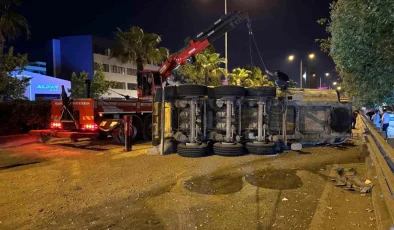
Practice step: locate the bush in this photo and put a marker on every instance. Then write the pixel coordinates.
(20, 116)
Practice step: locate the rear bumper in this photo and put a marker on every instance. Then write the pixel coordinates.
(63, 134)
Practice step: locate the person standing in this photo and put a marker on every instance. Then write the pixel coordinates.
(354, 119)
(376, 119)
(385, 121)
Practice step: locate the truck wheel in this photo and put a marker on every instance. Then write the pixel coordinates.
(261, 91)
(261, 148)
(192, 90)
(192, 150)
(170, 92)
(228, 149)
(228, 91)
(119, 137)
(340, 120)
(147, 130)
(137, 127)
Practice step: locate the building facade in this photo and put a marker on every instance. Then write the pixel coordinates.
(37, 67)
(83, 54)
(43, 87)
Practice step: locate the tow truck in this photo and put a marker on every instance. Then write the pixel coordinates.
(98, 118)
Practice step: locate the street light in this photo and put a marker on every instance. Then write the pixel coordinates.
(292, 57)
(327, 74)
(334, 83)
(225, 42)
(339, 88)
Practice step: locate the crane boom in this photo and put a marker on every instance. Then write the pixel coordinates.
(225, 23)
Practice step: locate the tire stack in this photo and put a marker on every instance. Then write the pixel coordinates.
(262, 147)
(187, 92)
(234, 94)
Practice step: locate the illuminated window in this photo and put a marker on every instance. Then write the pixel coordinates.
(118, 69)
(105, 68)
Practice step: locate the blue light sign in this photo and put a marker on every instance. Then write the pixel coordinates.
(48, 87)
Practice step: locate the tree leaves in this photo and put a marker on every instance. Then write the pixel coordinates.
(136, 46)
(98, 87)
(11, 65)
(206, 70)
(12, 24)
(361, 43)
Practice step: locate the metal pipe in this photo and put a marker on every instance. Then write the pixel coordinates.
(239, 118)
(87, 88)
(225, 44)
(260, 121)
(228, 120)
(205, 120)
(264, 118)
(162, 112)
(301, 75)
(192, 121)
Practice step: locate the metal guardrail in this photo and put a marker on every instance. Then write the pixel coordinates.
(382, 156)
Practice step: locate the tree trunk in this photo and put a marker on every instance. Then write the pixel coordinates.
(2, 41)
(140, 65)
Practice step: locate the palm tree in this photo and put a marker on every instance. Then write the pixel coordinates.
(138, 47)
(258, 78)
(208, 64)
(11, 24)
(240, 76)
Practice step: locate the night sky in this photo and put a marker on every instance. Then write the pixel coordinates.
(281, 27)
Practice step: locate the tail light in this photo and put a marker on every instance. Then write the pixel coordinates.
(56, 125)
(92, 127)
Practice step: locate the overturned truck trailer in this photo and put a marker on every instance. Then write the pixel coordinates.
(235, 120)
(313, 117)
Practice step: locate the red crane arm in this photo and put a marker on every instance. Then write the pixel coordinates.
(202, 41)
(175, 60)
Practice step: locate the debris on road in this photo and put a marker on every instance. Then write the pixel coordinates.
(349, 180)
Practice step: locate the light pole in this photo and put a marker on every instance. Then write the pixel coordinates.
(327, 75)
(292, 57)
(225, 42)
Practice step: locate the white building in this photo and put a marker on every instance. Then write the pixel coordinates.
(125, 75)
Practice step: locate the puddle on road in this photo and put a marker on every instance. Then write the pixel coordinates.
(283, 179)
(215, 185)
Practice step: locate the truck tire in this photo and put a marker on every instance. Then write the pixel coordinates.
(170, 92)
(192, 150)
(340, 120)
(261, 148)
(261, 91)
(137, 127)
(119, 137)
(147, 130)
(192, 90)
(228, 91)
(230, 150)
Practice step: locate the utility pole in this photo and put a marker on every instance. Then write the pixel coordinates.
(225, 42)
(301, 75)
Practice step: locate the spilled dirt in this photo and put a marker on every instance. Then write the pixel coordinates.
(61, 186)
